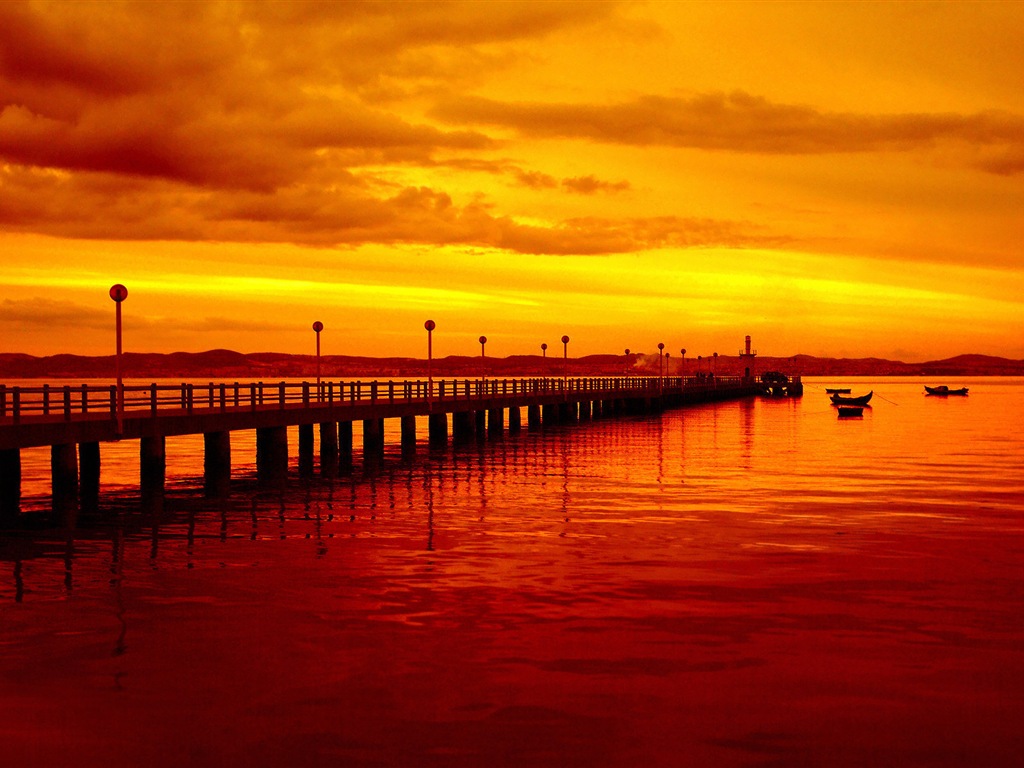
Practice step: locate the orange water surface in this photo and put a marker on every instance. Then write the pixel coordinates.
(753, 583)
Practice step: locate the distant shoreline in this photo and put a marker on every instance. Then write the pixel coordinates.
(226, 364)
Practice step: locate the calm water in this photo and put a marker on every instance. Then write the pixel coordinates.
(747, 584)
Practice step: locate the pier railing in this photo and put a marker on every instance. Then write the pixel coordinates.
(94, 401)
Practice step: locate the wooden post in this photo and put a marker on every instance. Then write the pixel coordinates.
(437, 428)
(152, 467)
(345, 447)
(533, 416)
(272, 455)
(64, 476)
(329, 448)
(496, 422)
(373, 439)
(10, 486)
(514, 419)
(305, 443)
(89, 475)
(217, 464)
(408, 435)
(462, 425)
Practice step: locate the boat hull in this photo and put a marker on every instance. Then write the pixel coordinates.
(862, 400)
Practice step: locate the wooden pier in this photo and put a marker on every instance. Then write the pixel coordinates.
(74, 420)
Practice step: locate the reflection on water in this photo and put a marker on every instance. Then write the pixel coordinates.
(754, 583)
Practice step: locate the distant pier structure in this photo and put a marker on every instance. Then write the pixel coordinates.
(747, 358)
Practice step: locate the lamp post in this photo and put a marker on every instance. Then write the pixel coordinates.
(118, 293)
(565, 359)
(661, 348)
(317, 327)
(682, 365)
(699, 358)
(544, 351)
(429, 325)
(715, 359)
(483, 363)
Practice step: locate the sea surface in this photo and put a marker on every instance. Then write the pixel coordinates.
(752, 583)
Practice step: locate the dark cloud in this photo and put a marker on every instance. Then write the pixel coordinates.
(740, 122)
(589, 185)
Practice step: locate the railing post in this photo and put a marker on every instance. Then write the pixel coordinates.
(252, 396)
(373, 391)
(190, 397)
(280, 395)
(113, 400)
(16, 397)
(236, 394)
(305, 393)
(85, 398)
(3, 400)
(223, 396)
(152, 399)
(184, 397)
(391, 391)
(211, 394)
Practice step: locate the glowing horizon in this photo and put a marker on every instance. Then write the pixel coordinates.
(624, 173)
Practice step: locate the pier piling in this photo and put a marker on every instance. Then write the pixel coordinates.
(89, 476)
(217, 464)
(64, 475)
(10, 486)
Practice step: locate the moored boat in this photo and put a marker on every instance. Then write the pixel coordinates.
(943, 391)
(860, 400)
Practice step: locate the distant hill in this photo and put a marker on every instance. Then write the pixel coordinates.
(226, 364)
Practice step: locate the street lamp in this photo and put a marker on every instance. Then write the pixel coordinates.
(682, 363)
(317, 327)
(429, 325)
(483, 365)
(565, 358)
(118, 293)
(661, 347)
(716, 364)
(699, 358)
(544, 351)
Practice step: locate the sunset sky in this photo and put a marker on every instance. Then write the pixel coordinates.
(839, 179)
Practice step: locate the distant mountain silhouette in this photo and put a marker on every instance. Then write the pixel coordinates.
(227, 364)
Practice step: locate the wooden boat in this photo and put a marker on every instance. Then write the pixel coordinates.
(861, 400)
(837, 391)
(943, 391)
(850, 411)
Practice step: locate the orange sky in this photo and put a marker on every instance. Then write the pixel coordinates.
(833, 179)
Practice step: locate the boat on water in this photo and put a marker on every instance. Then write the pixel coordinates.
(837, 391)
(943, 391)
(859, 400)
(850, 411)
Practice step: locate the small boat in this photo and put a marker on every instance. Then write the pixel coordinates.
(837, 391)
(861, 400)
(850, 411)
(943, 391)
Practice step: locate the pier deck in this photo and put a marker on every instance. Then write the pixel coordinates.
(74, 420)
